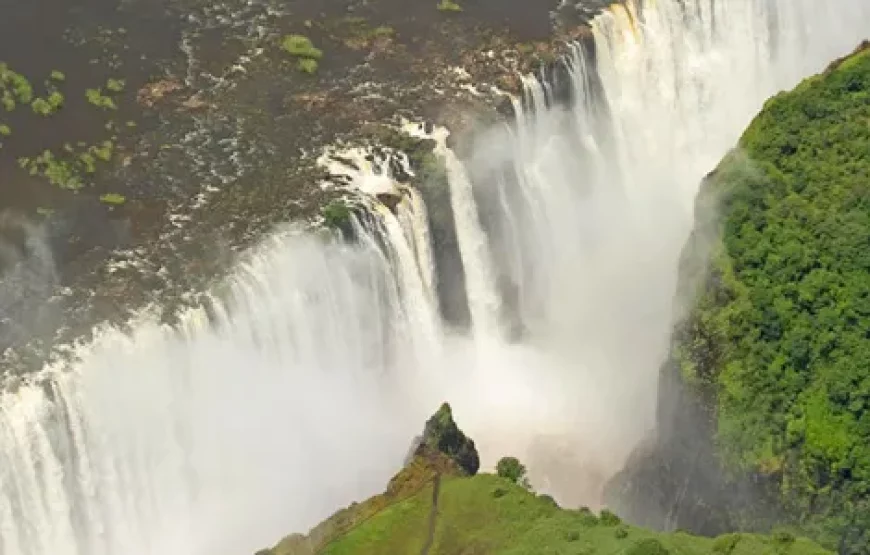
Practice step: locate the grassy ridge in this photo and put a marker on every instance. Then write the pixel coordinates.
(780, 335)
(486, 514)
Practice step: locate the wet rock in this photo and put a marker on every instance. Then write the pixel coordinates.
(442, 435)
(152, 93)
(390, 200)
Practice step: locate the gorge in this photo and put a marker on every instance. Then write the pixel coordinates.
(298, 386)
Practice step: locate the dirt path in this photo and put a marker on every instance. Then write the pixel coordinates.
(433, 516)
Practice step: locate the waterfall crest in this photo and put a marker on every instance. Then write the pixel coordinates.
(299, 388)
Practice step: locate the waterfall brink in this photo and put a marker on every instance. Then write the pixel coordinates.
(300, 387)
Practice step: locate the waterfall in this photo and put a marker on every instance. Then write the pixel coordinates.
(299, 387)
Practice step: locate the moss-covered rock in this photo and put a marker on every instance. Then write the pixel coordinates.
(442, 435)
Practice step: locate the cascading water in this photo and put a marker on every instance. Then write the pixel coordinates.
(300, 388)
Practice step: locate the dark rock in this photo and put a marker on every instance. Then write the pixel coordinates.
(441, 434)
(390, 200)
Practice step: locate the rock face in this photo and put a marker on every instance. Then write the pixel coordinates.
(442, 435)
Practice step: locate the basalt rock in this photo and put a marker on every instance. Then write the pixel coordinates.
(442, 435)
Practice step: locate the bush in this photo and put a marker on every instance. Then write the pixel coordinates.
(649, 546)
(449, 6)
(572, 536)
(621, 533)
(609, 518)
(587, 517)
(307, 65)
(336, 214)
(301, 46)
(724, 545)
(512, 469)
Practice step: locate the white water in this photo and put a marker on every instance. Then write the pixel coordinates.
(305, 390)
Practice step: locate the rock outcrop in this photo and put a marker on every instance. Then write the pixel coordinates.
(442, 436)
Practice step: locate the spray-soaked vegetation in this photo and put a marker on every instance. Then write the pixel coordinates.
(780, 338)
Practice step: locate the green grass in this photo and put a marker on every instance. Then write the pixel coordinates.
(472, 519)
(100, 100)
(113, 199)
(449, 6)
(307, 65)
(301, 47)
(779, 332)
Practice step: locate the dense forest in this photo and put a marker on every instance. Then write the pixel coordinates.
(779, 340)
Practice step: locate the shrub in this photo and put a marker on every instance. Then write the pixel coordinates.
(587, 517)
(511, 469)
(609, 518)
(336, 214)
(621, 533)
(449, 6)
(113, 199)
(648, 546)
(724, 545)
(307, 65)
(301, 46)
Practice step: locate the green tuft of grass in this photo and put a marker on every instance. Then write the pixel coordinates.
(98, 99)
(301, 47)
(5, 130)
(116, 85)
(307, 65)
(113, 199)
(449, 6)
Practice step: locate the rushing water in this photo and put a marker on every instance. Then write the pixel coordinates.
(300, 387)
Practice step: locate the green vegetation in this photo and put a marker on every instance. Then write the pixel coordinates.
(471, 519)
(49, 105)
(307, 65)
(779, 336)
(115, 85)
(98, 99)
(435, 506)
(304, 50)
(512, 469)
(449, 6)
(113, 199)
(57, 76)
(336, 214)
(5, 130)
(357, 33)
(67, 170)
(14, 88)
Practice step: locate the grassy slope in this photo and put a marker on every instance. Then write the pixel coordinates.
(779, 334)
(473, 519)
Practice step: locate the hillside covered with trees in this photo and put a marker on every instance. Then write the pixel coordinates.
(775, 351)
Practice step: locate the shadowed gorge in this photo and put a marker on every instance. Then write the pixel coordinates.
(366, 218)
